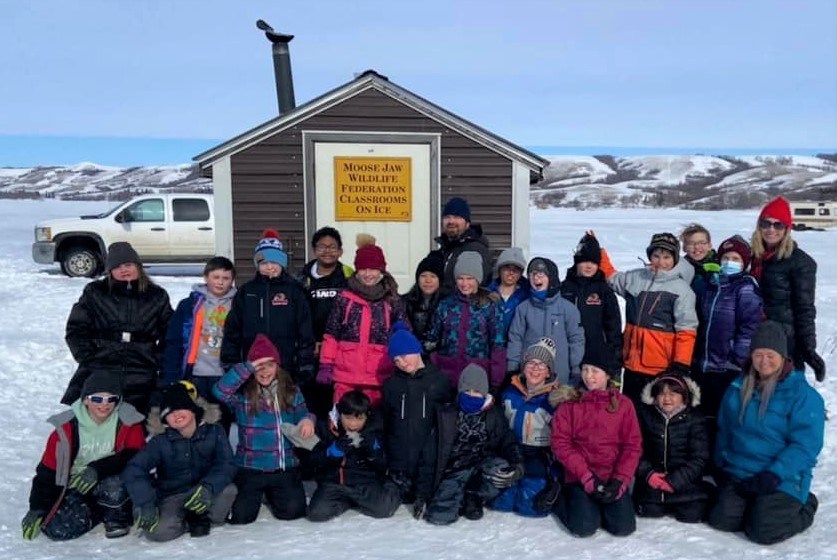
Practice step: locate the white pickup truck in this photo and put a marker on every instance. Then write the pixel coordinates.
(163, 228)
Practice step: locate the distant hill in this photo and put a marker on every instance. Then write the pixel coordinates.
(698, 182)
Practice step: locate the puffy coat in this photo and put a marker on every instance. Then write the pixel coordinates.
(588, 437)
(322, 293)
(358, 465)
(465, 331)
(786, 442)
(181, 464)
(677, 447)
(450, 249)
(261, 443)
(356, 338)
(660, 316)
(278, 308)
(530, 419)
(409, 407)
(731, 309)
(788, 287)
(420, 310)
(558, 319)
(508, 306)
(117, 329)
(600, 314)
(53, 472)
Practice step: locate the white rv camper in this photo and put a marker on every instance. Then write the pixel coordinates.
(813, 215)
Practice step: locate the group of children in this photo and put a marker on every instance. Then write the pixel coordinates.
(507, 396)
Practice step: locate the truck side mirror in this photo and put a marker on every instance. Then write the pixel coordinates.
(123, 217)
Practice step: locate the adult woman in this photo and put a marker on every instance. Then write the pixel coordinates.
(770, 432)
(787, 276)
(118, 326)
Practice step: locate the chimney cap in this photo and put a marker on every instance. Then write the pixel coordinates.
(271, 35)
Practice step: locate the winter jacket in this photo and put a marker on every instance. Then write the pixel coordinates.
(121, 331)
(278, 308)
(364, 464)
(660, 316)
(261, 444)
(703, 269)
(508, 306)
(409, 407)
(787, 287)
(322, 292)
(731, 309)
(181, 464)
(420, 310)
(356, 338)
(786, 441)
(558, 319)
(465, 331)
(53, 472)
(588, 438)
(450, 249)
(600, 314)
(437, 457)
(185, 337)
(530, 420)
(677, 447)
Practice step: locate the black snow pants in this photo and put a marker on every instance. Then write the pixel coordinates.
(582, 515)
(372, 499)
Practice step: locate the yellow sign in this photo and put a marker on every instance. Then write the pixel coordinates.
(373, 189)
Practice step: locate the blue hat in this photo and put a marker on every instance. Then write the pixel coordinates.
(402, 342)
(457, 206)
(270, 249)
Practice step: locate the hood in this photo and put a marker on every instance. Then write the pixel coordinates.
(128, 415)
(202, 289)
(693, 387)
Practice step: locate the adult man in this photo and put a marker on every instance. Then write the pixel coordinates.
(458, 236)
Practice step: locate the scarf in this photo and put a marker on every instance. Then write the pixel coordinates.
(369, 293)
(758, 264)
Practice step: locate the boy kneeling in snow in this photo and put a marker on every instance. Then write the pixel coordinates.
(192, 487)
(469, 458)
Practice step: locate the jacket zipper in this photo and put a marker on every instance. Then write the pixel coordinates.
(665, 455)
(708, 326)
(402, 405)
(278, 416)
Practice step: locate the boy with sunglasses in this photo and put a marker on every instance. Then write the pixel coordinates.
(77, 484)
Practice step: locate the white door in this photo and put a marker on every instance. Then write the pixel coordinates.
(145, 227)
(191, 232)
(404, 243)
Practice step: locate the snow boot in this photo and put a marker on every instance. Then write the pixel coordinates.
(116, 530)
(472, 506)
(199, 525)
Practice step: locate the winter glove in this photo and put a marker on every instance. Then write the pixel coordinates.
(326, 374)
(764, 482)
(291, 431)
(546, 498)
(31, 524)
(658, 481)
(612, 490)
(817, 364)
(505, 477)
(147, 517)
(419, 507)
(199, 500)
(85, 480)
(591, 484)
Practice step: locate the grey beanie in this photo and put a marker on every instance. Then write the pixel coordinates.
(102, 382)
(473, 378)
(770, 334)
(468, 263)
(543, 350)
(120, 253)
(513, 256)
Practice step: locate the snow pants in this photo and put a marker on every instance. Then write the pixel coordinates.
(686, 512)
(766, 518)
(175, 520)
(373, 499)
(582, 515)
(443, 508)
(283, 491)
(78, 514)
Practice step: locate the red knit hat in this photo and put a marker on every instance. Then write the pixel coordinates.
(262, 347)
(368, 254)
(778, 209)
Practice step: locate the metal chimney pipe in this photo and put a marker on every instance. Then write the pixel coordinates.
(281, 66)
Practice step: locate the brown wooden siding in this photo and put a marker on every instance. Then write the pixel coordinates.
(267, 178)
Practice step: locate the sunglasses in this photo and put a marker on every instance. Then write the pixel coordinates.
(767, 224)
(99, 399)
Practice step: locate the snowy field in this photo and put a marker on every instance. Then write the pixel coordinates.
(35, 366)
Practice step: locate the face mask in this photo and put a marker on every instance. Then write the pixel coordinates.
(729, 268)
(470, 404)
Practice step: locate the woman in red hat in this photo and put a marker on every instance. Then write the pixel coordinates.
(787, 276)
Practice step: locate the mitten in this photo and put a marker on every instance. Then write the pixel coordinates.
(817, 364)
(199, 500)
(85, 480)
(658, 481)
(326, 374)
(147, 517)
(591, 484)
(31, 524)
(546, 498)
(613, 490)
(764, 482)
(506, 476)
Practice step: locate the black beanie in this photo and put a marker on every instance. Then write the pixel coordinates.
(431, 263)
(771, 335)
(665, 241)
(120, 253)
(588, 250)
(176, 397)
(102, 382)
(595, 356)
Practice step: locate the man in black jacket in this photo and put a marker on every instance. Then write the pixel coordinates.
(458, 236)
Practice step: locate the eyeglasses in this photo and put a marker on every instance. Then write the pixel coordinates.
(536, 365)
(99, 399)
(326, 248)
(767, 224)
(695, 244)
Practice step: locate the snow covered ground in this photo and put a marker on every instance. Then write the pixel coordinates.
(35, 366)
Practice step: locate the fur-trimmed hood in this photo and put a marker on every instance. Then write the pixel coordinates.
(694, 389)
(211, 415)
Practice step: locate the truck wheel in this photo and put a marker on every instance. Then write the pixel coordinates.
(81, 261)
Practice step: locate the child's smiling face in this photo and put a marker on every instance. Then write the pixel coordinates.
(539, 281)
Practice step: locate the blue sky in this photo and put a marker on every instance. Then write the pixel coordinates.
(157, 81)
